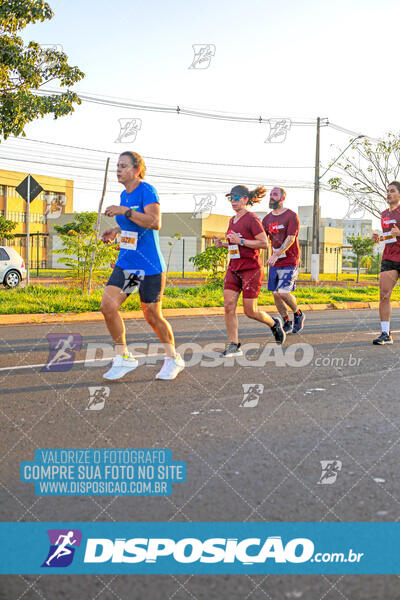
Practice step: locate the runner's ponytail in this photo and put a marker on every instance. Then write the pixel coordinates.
(256, 195)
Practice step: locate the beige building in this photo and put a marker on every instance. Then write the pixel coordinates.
(182, 235)
(330, 249)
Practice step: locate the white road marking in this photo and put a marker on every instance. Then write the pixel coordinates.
(77, 362)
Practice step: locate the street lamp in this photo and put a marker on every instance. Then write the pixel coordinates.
(317, 179)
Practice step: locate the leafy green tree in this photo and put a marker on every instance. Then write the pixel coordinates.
(213, 260)
(77, 251)
(83, 222)
(365, 170)
(6, 229)
(24, 69)
(362, 247)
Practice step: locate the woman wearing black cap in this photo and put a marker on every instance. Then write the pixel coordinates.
(245, 272)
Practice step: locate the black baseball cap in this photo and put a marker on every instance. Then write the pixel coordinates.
(239, 190)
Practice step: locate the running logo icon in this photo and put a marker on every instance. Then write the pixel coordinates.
(203, 54)
(54, 206)
(355, 208)
(251, 394)
(62, 351)
(63, 543)
(133, 279)
(278, 129)
(204, 203)
(98, 396)
(330, 471)
(128, 130)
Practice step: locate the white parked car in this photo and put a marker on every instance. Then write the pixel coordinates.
(12, 267)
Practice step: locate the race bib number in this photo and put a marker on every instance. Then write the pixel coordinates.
(129, 240)
(387, 237)
(233, 251)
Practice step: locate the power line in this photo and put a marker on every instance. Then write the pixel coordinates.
(221, 115)
(350, 132)
(170, 159)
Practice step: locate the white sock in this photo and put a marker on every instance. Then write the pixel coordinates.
(385, 326)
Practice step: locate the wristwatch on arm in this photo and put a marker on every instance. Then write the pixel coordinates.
(128, 213)
(242, 241)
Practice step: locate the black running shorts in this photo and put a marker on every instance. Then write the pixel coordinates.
(390, 265)
(131, 281)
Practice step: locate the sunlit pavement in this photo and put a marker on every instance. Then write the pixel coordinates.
(253, 438)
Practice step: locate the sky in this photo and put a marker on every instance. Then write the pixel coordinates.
(289, 60)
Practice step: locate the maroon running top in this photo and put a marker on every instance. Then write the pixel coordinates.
(241, 257)
(389, 219)
(277, 228)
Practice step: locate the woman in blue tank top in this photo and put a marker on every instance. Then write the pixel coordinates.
(140, 267)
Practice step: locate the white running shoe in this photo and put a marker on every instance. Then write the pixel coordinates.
(121, 365)
(171, 367)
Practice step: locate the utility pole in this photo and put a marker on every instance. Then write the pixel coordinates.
(316, 215)
(315, 229)
(98, 225)
(28, 218)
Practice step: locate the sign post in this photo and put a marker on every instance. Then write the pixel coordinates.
(28, 219)
(29, 188)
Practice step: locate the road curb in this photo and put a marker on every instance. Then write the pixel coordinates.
(23, 319)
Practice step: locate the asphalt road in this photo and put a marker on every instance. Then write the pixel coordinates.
(334, 396)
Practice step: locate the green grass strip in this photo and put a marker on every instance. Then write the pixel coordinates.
(43, 300)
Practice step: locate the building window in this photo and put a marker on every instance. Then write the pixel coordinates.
(12, 192)
(17, 217)
(37, 218)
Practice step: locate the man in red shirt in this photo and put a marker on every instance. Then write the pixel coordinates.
(390, 267)
(282, 228)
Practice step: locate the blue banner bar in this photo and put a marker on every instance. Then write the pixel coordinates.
(200, 548)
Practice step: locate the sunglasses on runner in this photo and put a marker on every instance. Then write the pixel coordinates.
(234, 198)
